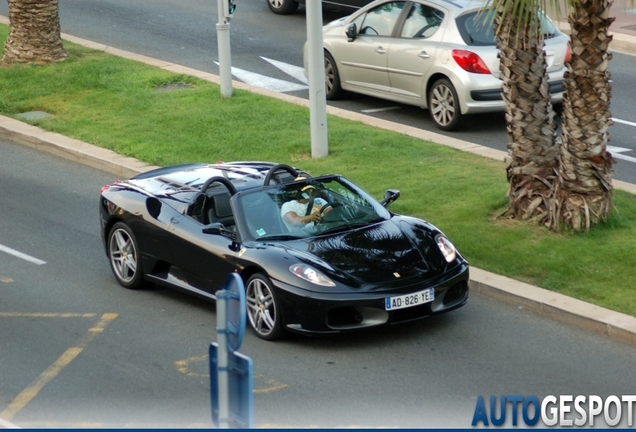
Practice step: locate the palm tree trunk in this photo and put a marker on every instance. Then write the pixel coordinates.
(34, 34)
(582, 194)
(533, 154)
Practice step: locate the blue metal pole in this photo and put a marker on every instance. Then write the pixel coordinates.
(222, 365)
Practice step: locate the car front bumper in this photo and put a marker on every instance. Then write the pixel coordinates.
(324, 313)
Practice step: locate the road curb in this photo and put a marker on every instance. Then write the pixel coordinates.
(613, 324)
(554, 305)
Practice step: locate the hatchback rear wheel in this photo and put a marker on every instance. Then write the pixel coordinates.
(443, 105)
(282, 7)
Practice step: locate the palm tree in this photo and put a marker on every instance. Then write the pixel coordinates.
(560, 181)
(34, 35)
(582, 194)
(533, 153)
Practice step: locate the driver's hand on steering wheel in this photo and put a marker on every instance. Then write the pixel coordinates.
(314, 217)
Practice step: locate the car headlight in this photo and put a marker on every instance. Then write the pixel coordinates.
(447, 248)
(310, 274)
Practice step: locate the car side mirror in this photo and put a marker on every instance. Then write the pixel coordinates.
(389, 196)
(351, 32)
(217, 228)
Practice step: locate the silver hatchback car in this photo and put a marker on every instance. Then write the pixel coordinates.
(436, 54)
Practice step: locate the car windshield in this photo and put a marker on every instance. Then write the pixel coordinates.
(341, 205)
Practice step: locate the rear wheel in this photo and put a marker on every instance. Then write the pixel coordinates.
(124, 257)
(282, 7)
(263, 311)
(332, 78)
(443, 105)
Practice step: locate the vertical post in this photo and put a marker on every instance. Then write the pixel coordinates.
(222, 364)
(316, 75)
(223, 39)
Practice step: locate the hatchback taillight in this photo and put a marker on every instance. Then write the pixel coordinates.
(470, 62)
(568, 54)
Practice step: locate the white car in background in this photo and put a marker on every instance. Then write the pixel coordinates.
(285, 7)
(439, 54)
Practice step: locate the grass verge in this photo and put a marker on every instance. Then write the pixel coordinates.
(113, 103)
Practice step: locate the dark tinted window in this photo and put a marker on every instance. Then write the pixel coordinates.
(479, 29)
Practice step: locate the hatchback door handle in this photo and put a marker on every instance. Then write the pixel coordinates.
(423, 55)
(380, 50)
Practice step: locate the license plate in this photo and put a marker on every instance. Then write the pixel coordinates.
(409, 300)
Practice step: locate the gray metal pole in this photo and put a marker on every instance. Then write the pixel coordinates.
(316, 75)
(225, 61)
(222, 365)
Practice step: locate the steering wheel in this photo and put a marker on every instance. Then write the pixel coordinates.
(324, 208)
(228, 184)
(420, 33)
(335, 215)
(273, 170)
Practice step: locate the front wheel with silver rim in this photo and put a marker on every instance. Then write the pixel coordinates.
(443, 104)
(332, 78)
(282, 7)
(263, 311)
(124, 256)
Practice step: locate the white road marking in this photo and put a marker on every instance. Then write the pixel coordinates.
(289, 69)
(21, 255)
(625, 122)
(266, 82)
(373, 110)
(616, 152)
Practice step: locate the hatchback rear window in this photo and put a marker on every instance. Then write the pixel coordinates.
(478, 29)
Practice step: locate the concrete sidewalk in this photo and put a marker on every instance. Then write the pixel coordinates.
(544, 302)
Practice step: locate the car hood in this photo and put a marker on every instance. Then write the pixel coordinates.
(389, 253)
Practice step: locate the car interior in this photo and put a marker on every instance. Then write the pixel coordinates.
(208, 209)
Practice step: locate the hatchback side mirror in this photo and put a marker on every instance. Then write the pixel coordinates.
(351, 32)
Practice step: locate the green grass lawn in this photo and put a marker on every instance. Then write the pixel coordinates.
(112, 102)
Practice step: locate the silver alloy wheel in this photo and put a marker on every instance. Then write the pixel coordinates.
(330, 75)
(282, 7)
(333, 89)
(262, 310)
(444, 105)
(123, 256)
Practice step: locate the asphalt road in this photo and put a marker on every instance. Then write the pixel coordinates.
(184, 33)
(80, 351)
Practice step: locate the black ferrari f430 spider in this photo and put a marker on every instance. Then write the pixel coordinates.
(317, 254)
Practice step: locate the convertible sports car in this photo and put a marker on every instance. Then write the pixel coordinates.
(354, 265)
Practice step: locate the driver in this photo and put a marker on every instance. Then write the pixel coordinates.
(297, 213)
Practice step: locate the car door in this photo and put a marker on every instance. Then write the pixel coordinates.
(363, 61)
(412, 54)
(205, 259)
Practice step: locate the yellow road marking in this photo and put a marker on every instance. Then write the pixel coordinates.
(271, 385)
(5, 279)
(32, 390)
(46, 315)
